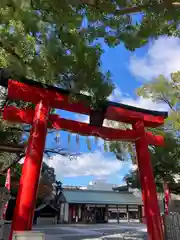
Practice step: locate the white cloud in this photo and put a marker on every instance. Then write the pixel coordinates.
(89, 164)
(82, 118)
(163, 57)
(145, 103)
(140, 102)
(134, 167)
(116, 95)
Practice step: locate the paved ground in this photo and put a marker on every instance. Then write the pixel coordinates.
(131, 231)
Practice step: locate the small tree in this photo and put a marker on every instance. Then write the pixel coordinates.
(166, 91)
(165, 163)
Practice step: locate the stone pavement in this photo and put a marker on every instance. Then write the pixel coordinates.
(93, 232)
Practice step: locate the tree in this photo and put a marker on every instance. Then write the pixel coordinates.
(46, 186)
(165, 160)
(46, 40)
(160, 90)
(132, 179)
(37, 43)
(47, 181)
(17, 151)
(58, 191)
(49, 41)
(41, 45)
(166, 91)
(155, 17)
(7, 137)
(165, 163)
(48, 173)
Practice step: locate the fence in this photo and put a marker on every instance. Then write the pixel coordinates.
(172, 226)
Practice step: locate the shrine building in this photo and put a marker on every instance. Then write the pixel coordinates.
(95, 206)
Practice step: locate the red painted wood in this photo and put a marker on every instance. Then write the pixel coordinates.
(148, 186)
(38, 119)
(26, 116)
(128, 116)
(85, 129)
(27, 93)
(27, 192)
(13, 114)
(156, 140)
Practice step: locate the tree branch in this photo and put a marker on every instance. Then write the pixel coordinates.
(60, 152)
(128, 10)
(12, 148)
(11, 51)
(165, 100)
(27, 130)
(13, 163)
(20, 149)
(56, 151)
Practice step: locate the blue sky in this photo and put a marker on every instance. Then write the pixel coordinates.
(129, 71)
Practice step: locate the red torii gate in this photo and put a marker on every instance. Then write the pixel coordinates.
(46, 97)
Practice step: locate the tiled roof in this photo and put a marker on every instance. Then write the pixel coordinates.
(100, 197)
(44, 206)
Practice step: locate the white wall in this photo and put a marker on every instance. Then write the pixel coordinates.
(66, 212)
(100, 185)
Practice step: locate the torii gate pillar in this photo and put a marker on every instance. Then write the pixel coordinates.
(148, 186)
(27, 192)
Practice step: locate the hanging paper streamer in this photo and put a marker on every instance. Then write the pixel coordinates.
(96, 140)
(69, 138)
(88, 142)
(57, 138)
(106, 148)
(77, 140)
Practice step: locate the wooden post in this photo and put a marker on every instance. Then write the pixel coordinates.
(27, 192)
(149, 195)
(127, 212)
(140, 213)
(117, 214)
